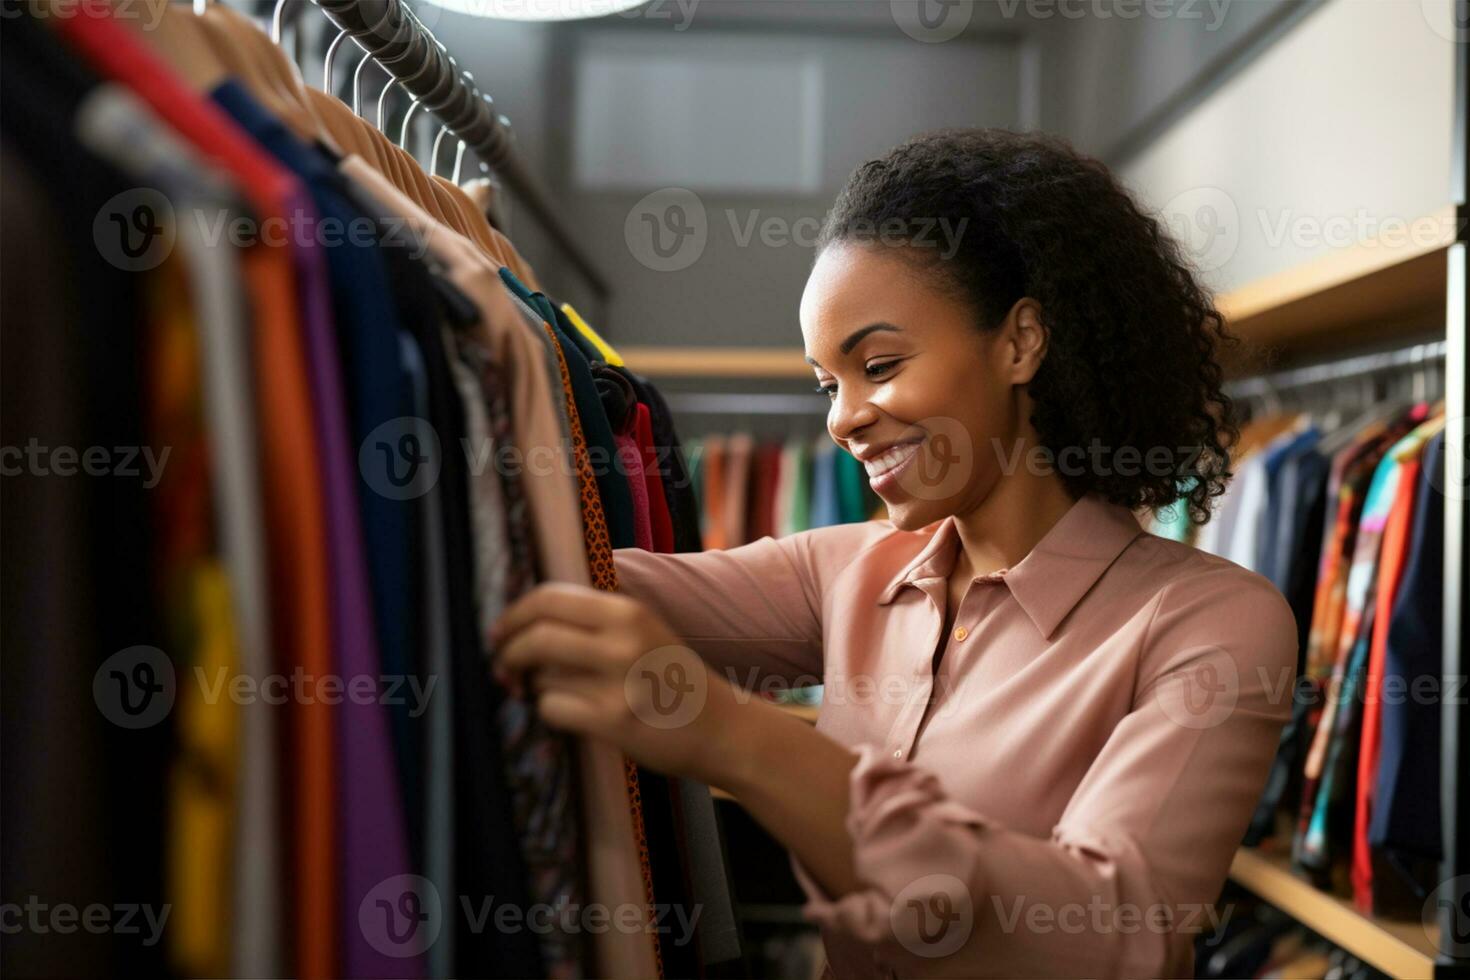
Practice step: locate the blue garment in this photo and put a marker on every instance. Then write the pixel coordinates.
(1406, 821)
(1280, 494)
(826, 508)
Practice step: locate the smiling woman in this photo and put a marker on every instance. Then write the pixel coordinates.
(1045, 729)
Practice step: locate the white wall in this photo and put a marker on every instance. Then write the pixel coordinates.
(1340, 131)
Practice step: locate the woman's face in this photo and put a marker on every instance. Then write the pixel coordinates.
(931, 406)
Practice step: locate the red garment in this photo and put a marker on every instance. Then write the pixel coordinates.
(292, 485)
(1394, 553)
(658, 504)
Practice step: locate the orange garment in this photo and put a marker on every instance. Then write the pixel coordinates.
(300, 626)
(1393, 554)
(716, 535)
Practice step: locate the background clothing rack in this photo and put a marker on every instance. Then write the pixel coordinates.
(1362, 365)
(406, 50)
(747, 403)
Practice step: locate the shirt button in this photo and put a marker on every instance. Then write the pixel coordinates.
(960, 633)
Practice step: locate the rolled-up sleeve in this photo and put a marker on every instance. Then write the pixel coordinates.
(1126, 879)
(752, 612)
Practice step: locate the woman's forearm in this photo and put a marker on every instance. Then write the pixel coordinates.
(794, 781)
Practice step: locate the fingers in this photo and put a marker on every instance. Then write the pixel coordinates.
(548, 643)
(569, 711)
(577, 605)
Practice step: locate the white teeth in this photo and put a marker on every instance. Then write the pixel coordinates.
(890, 459)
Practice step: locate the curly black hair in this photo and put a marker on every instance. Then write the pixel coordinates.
(1133, 337)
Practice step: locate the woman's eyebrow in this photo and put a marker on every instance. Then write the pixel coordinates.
(852, 339)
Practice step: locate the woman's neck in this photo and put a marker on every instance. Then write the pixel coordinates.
(1003, 529)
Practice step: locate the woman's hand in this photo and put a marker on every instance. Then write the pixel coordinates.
(605, 665)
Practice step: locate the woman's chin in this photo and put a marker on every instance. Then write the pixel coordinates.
(908, 514)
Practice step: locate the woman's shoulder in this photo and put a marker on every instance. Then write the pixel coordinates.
(1203, 599)
(869, 545)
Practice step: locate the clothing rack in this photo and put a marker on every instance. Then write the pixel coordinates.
(1361, 366)
(388, 33)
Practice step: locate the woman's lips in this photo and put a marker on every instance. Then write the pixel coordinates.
(885, 469)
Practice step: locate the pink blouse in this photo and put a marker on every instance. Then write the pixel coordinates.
(1055, 788)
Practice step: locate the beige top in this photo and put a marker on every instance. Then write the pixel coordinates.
(1056, 787)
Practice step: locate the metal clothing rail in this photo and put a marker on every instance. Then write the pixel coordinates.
(748, 403)
(406, 50)
(1351, 367)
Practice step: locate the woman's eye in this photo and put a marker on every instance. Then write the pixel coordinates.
(830, 390)
(875, 370)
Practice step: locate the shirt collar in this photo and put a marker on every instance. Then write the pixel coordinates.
(1050, 581)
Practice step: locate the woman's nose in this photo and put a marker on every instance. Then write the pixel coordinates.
(851, 412)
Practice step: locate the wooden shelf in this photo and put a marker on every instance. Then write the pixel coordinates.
(1369, 291)
(1400, 949)
(1366, 293)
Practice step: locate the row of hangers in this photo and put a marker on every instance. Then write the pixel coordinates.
(1328, 391)
(210, 42)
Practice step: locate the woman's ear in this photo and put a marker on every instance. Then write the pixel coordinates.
(1026, 340)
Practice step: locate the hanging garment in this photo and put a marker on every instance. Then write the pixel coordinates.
(535, 760)
(116, 124)
(1334, 736)
(294, 500)
(616, 499)
(604, 577)
(715, 484)
(797, 484)
(658, 499)
(739, 460)
(760, 510)
(617, 876)
(674, 470)
(436, 739)
(630, 463)
(1392, 554)
(348, 304)
(539, 760)
(1404, 827)
(852, 482)
(826, 504)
